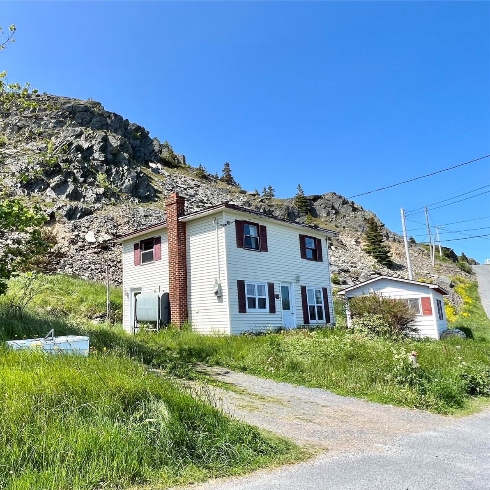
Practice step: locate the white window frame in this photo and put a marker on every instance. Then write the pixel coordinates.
(256, 296)
(148, 252)
(314, 249)
(252, 237)
(418, 310)
(315, 304)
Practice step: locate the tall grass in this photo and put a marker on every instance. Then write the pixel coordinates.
(69, 422)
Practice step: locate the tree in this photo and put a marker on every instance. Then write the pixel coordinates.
(375, 245)
(226, 175)
(9, 38)
(268, 192)
(22, 239)
(301, 202)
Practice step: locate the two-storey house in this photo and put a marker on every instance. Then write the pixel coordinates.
(226, 269)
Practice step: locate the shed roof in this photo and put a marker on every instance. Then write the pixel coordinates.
(435, 287)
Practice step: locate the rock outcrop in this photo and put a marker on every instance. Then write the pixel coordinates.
(97, 176)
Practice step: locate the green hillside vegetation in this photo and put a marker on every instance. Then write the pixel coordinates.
(106, 421)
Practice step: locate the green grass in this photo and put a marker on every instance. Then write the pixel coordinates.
(105, 421)
(69, 422)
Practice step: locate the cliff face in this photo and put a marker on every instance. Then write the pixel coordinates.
(97, 175)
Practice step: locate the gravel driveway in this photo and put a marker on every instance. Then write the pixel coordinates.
(370, 446)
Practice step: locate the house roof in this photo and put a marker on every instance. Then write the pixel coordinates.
(435, 287)
(220, 207)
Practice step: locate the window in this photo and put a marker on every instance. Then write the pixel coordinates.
(315, 305)
(148, 250)
(310, 248)
(440, 309)
(414, 305)
(256, 296)
(251, 236)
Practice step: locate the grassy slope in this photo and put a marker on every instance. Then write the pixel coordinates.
(70, 422)
(449, 372)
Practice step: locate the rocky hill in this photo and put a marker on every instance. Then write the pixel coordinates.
(97, 175)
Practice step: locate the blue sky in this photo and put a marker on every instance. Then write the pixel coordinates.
(338, 96)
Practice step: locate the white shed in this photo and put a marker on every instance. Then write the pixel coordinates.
(425, 299)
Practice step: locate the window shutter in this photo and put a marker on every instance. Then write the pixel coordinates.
(157, 248)
(239, 233)
(302, 246)
(319, 252)
(272, 299)
(426, 306)
(325, 305)
(137, 254)
(242, 299)
(304, 304)
(263, 239)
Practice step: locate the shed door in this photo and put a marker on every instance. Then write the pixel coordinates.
(287, 302)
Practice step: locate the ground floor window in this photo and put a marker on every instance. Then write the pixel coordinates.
(316, 310)
(256, 296)
(440, 309)
(414, 305)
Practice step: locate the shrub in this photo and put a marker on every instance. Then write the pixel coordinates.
(465, 267)
(391, 317)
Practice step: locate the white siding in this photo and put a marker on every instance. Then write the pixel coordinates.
(427, 325)
(150, 277)
(282, 263)
(207, 313)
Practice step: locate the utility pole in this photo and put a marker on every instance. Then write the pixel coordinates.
(438, 241)
(409, 263)
(431, 248)
(108, 294)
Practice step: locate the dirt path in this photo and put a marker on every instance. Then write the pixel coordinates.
(317, 418)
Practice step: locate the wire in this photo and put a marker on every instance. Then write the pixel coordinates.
(460, 200)
(421, 177)
(440, 226)
(467, 238)
(449, 199)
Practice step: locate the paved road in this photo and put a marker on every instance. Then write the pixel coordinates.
(370, 446)
(450, 458)
(483, 275)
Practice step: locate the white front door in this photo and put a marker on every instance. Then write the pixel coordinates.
(287, 302)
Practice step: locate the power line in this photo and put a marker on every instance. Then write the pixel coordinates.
(467, 238)
(449, 199)
(421, 177)
(444, 224)
(460, 200)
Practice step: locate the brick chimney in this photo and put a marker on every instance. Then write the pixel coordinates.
(177, 260)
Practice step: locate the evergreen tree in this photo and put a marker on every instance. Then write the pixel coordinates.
(301, 202)
(268, 192)
(374, 243)
(201, 172)
(226, 175)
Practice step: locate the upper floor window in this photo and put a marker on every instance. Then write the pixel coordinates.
(147, 250)
(251, 236)
(310, 248)
(147, 254)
